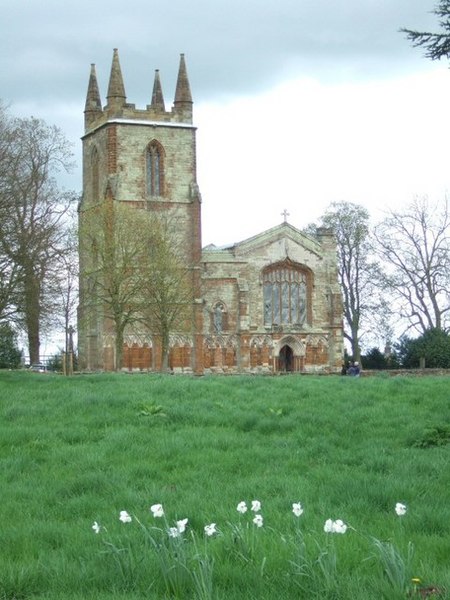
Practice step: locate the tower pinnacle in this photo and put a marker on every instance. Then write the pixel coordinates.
(116, 90)
(157, 95)
(93, 104)
(183, 97)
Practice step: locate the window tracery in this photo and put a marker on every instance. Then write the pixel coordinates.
(285, 295)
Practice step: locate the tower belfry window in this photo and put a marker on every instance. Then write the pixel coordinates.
(155, 169)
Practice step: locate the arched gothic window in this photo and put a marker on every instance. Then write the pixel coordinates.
(218, 317)
(95, 175)
(285, 295)
(155, 169)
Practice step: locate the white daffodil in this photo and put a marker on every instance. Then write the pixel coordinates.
(297, 509)
(256, 506)
(340, 526)
(258, 521)
(335, 526)
(210, 529)
(173, 532)
(157, 510)
(96, 527)
(124, 517)
(241, 507)
(400, 509)
(328, 527)
(181, 525)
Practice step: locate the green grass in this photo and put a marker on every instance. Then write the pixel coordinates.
(78, 450)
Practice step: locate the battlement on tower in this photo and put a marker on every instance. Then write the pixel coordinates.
(117, 106)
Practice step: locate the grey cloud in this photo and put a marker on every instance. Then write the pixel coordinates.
(232, 47)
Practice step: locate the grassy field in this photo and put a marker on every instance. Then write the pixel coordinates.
(74, 451)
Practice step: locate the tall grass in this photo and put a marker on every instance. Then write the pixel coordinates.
(78, 450)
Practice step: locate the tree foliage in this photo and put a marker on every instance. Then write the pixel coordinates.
(33, 214)
(168, 291)
(10, 355)
(63, 284)
(9, 271)
(134, 276)
(437, 45)
(433, 346)
(375, 359)
(112, 252)
(414, 245)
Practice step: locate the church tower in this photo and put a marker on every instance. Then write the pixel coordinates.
(144, 158)
(268, 304)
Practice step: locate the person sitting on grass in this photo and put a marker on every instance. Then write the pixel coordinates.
(354, 370)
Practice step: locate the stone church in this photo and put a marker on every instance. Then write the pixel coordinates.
(268, 304)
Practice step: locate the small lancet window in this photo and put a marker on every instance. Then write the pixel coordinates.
(219, 317)
(155, 169)
(95, 175)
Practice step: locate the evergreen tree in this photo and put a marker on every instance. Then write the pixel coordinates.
(10, 354)
(437, 44)
(433, 346)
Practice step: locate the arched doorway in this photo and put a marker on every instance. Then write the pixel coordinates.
(286, 359)
(289, 354)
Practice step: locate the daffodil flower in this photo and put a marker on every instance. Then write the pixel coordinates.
(256, 506)
(124, 517)
(400, 509)
(241, 507)
(335, 526)
(328, 527)
(258, 521)
(340, 526)
(210, 529)
(157, 510)
(96, 527)
(181, 525)
(297, 509)
(173, 532)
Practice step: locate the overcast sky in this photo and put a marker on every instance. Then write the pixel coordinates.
(298, 103)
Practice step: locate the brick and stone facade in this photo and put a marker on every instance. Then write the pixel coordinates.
(267, 304)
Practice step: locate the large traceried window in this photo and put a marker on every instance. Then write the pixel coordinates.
(155, 169)
(285, 295)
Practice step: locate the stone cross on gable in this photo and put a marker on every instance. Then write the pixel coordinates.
(285, 214)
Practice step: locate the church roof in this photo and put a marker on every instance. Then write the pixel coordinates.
(285, 229)
(282, 231)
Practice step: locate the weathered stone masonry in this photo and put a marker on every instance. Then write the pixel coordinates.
(271, 303)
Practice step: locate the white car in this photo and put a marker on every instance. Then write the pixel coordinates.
(39, 368)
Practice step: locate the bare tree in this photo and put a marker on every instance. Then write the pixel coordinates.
(113, 257)
(32, 210)
(168, 287)
(437, 45)
(64, 284)
(415, 246)
(131, 274)
(9, 272)
(350, 223)
(9, 284)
